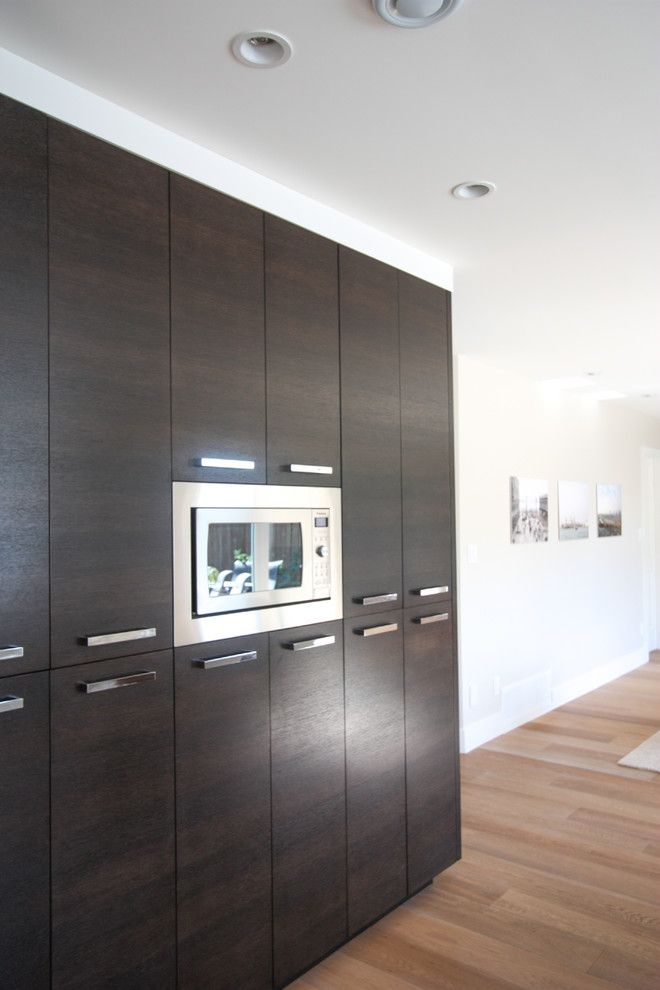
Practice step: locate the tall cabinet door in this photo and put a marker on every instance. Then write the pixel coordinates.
(113, 825)
(24, 833)
(431, 743)
(371, 434)
(223, 815)
(426, 450)
(302, 356)
(111, 571)
(309, 804)
(23, 390)
(375, 767)
(218, 371)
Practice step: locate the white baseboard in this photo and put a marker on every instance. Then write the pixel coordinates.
(497, 724)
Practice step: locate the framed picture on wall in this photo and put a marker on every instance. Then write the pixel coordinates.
(608, 498)
(529, 510)
(573, 510)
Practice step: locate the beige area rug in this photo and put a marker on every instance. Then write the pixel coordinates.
(646, 756)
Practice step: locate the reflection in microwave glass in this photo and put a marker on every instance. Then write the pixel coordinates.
(246, 557)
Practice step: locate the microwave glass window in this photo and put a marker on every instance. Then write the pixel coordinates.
(229, 559)
(285, 555)
(247, 557)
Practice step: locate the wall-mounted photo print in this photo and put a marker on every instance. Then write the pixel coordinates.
(529, 510)
(573, 510)
(609, 510)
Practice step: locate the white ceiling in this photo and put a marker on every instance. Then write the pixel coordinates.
(556, 101)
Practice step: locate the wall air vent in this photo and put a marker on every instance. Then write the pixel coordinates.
(414, 13)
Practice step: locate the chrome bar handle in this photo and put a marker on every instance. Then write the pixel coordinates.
(378, 599)
(377, 630)
(225, 462)
(119, 637)
(310, 468)
(141, 677)
(227, 661)
(309, 644)
(431, 591)
(424, 620)
(11, 652)
(10, 703)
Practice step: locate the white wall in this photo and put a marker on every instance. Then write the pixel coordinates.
(541, 624)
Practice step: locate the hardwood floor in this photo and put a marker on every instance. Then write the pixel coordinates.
(559, 885)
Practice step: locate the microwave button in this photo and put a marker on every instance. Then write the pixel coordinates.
(322, 550)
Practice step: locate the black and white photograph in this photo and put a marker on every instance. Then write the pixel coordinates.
(609, 510)
(573, 510)
(529, 510)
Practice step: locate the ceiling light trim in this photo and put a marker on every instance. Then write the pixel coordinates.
(414, 13)
(261, 49)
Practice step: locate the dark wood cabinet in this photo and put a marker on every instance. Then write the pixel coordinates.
(426, 452)
(302, 356)
(223, 815)
(218, 343)
(375, 766)
(24, 833)
(113, 825)
(23, 390)
(110, 474)
(308, 793)
(371, 434)
(432, 774)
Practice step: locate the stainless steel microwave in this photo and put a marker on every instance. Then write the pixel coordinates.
(252, 558)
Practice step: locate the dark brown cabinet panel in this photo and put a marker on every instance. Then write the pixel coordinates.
(113, 825)
(109, 398)
(375, 767)
(425, 440)
(218, 359)
(24, 833)
(223, 815)
(371, 435)
(23, 390)
(308, 791)
(302, 355)
(431, 743)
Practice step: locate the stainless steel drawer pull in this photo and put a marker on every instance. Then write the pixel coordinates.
(424, 620)
(225, 462)
(11, 652)
(432, 591)
(310, 468)
(378, 599)
(225, 661)
(378, 630)
(142, 676)
(309, 644)
(10, 703)
(119, 637)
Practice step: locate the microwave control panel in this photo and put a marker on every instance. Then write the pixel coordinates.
(321, 553)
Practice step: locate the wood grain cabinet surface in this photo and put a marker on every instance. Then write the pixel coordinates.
(375, 766)
(24, 833)
(371, 434)
(23, 390)
(431, 743)
(110, 477)
(223, 815)
(113, 825)
(426, 457)
(218, 342)
(302, 356)
(309, 803)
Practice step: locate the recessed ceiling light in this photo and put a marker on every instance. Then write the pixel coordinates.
(473, 190)
(262, 49)
(414, 13)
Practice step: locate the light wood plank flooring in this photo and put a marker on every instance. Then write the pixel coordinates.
(559, 885)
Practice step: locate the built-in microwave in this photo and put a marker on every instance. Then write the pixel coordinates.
(252, 558)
